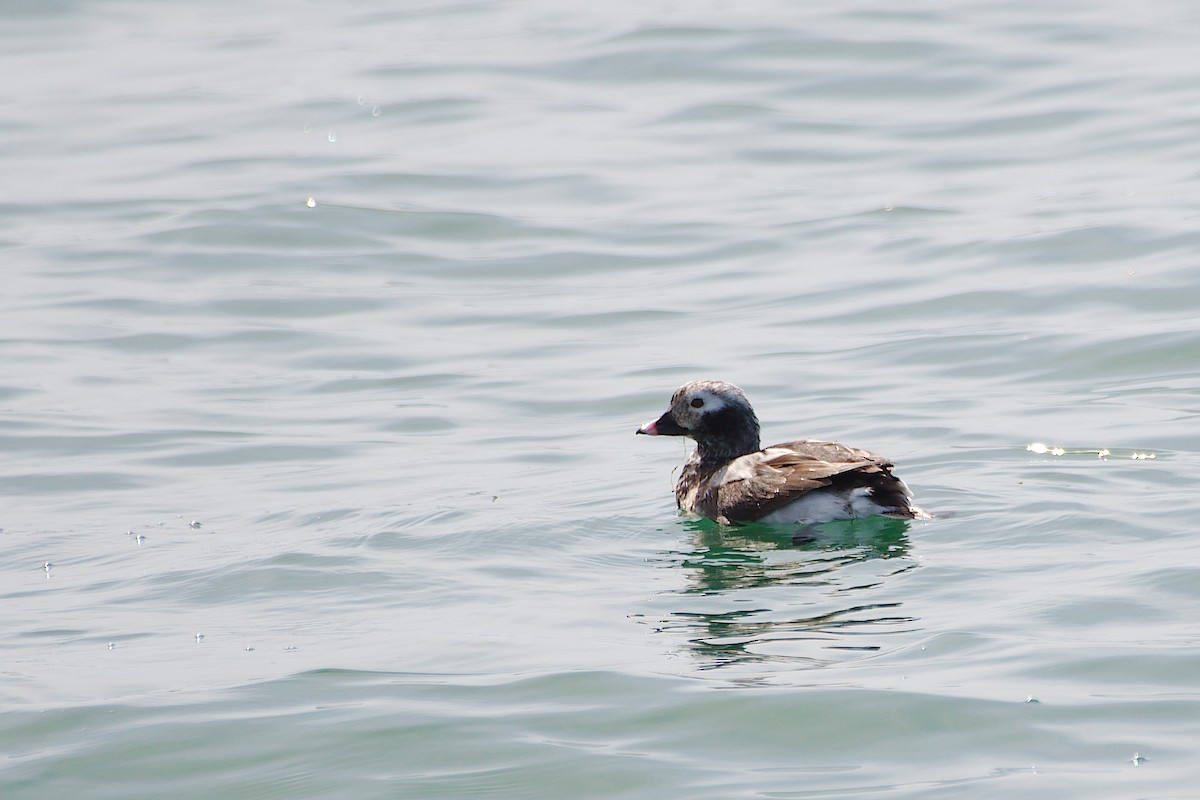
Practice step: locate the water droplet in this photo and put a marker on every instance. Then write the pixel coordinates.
(376, 111)
(332, 135)
(359, 100)
(311, 202)
(307, 128)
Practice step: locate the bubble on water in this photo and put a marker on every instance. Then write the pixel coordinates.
(1102, 453)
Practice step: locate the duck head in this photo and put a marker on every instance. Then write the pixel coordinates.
(714, 413)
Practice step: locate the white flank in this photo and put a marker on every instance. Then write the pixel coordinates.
(825, 505)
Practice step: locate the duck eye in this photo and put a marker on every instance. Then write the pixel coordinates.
(697, 403)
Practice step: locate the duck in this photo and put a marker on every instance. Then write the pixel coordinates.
(732, 479)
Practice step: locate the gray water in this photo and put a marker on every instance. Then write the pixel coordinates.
(325, 332)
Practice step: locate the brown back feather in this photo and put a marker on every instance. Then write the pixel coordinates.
(777, 480)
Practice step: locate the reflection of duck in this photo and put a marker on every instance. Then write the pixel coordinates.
(741, 603)
(730, 479)
(758, 556)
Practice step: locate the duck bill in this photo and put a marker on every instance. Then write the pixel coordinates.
(663, 426)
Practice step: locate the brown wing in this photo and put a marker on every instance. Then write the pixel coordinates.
(759, 483)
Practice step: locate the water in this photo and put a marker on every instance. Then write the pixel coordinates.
(326, 332)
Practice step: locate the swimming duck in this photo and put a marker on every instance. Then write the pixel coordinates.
(731, 478)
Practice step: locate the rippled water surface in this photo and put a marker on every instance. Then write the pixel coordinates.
(326, 330)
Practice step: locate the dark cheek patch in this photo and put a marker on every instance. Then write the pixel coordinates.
(723, 422)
